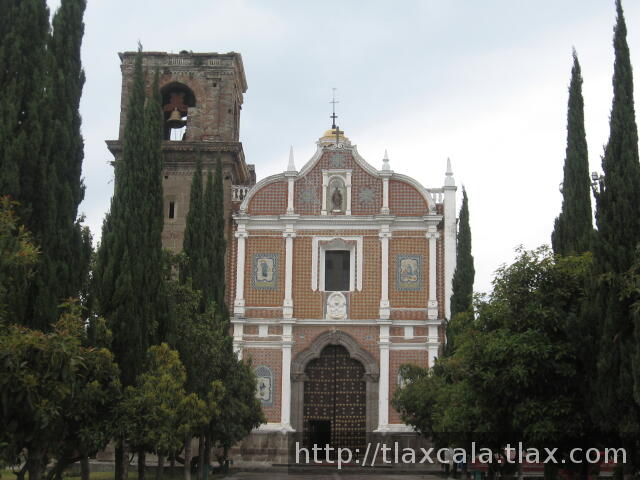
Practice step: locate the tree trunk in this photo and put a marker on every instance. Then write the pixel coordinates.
(160, 469)
(23, 470)
(200, 455)
(84, 468)
(187, 458)
(207, 456)
(35, 462)
(120, 467)
(141, 463)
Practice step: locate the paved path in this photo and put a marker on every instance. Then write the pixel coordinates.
(327, 475)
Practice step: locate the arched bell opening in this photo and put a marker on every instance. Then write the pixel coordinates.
(177, 98)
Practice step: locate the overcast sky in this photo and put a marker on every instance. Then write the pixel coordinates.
(482, 82)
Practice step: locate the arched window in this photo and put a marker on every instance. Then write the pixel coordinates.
(177, 98)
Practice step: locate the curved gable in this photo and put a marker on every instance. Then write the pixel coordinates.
(270, 199)
(405, 200)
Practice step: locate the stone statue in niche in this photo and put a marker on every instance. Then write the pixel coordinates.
(336, 199)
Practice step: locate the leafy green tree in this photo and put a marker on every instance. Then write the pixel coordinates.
(157, 412)
(573, 228)
(516, 373)
(242, 411)
(57, 395)
(618, 222)
(464, 275)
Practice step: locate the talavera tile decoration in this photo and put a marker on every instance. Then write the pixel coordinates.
(408, 272)
(264, 386)
(265, 271)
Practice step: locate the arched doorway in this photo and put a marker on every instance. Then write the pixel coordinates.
(335, 401)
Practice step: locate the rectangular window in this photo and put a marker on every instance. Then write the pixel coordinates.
(172, 209)
(336, 270)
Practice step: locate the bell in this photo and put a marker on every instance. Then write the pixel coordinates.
(175, 120)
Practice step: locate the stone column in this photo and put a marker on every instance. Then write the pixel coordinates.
(383, 394)
(285, 401)
(238, 304)
(287, 306)
(385, 310)
(432, 307)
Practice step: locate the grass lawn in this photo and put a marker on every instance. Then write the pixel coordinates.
(8, 475)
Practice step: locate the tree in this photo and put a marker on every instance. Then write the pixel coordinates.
(193, 244)
(522, 337)
(18, 255)
(242, 411)
(68, 244)
(58, 394)
(214, 241)
(573, 228)
(618, 222)
(41, 150)
(463, 277)
(157, 412)
(129, 277)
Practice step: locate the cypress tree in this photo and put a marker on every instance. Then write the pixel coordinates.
(24, 33)
(573, 228)
(463, 277)
(215, 243)
(129, 282)
(25, 141)
(193, 244)
(71, 246)
(618, 221)
(42, 151)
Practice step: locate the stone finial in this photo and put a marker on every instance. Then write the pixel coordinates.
(292, 166)
(385, 161)
(449, 181)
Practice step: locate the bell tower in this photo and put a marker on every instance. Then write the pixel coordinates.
(202, 95)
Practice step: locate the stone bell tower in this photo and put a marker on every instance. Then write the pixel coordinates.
(202, 95)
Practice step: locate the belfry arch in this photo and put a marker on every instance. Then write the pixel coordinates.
(301, 361)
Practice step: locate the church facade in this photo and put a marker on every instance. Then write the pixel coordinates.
(337, 273)
(340, 273)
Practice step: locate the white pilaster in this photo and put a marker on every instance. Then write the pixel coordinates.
(287, 306)
(383, 393)
(385, 173)
(238, 304)
(385, 311)
(238, 331)
(450, 236)
(432, 306)
(285, 409)
(325, 183)
(348, 188)
(291, 175)
(433, 344)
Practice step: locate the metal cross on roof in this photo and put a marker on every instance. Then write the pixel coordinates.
(334, 128)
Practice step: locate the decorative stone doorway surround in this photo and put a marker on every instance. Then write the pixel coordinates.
(298, 376)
